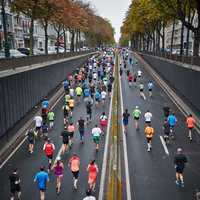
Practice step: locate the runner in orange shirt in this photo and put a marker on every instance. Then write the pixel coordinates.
(190, 121)
(92, 176)
(74, 165)
(149, 132)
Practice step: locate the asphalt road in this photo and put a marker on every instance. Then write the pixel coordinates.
(28, 165)
(152, 175)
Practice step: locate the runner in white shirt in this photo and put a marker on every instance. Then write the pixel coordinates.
(71, 92)
(139, 74)
(103, 96)
(96, 132)
(38, 124)
(95, 75)
(148, 116)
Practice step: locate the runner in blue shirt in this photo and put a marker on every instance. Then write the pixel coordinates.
(42, 178)
(150, 88)
(172, 122)
(97, 97)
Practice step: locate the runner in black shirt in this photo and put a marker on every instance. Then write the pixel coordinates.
(65, 138)
(15, 188)
(81, 128)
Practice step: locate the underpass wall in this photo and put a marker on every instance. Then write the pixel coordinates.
(19, 93)
(185, 81)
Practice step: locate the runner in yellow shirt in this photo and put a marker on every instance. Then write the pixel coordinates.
(79, 93)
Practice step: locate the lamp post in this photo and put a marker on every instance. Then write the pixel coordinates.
(4, 22)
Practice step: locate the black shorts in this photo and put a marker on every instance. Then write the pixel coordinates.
(71, 135)
(75, 174)
(150, 90)
(66, 142)
(179, 170)
(78, 95)
(38, 128)
(31, 141)
(50, 156)
(148, 122)
(190, 128)
(136, 118)
(42, 189)
(141, 90)
(149, 140)
(14, 190)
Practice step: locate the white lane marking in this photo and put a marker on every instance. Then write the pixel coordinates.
(105, 156)
(128, 188)
(22, 142)
(164, 145)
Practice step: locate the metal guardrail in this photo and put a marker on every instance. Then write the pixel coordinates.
(12, 63)
(192, 60)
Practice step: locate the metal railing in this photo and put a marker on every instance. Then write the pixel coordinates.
(192, 60)
(12, 63)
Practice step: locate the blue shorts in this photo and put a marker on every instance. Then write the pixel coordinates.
(125, 122)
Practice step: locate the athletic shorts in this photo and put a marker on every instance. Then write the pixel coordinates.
(141, 90)
(149, 140)
(16, 189)
(38, 128)
(97, 100)
(150, 90)
(125, 122)
(96, 139)
(71, 108)
(75, 174)
(148, 122)
(190, 128)
(66, 142)
(78, 95)
(179, 169)
(42, 189)
(31, 141)
(50, 156)
(71, 135)
(136, 118)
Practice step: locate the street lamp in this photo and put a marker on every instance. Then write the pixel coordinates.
(4, 22)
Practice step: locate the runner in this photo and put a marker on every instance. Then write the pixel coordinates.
(79, 92)
(65, 140)
(71, 92)
(97, 97)
(150, 86)
(96, 133)
(66, 85)
(58, 168)
(45, 131)
(125, 120)
(139, 74)
(71, 106)
(141, 87)
(15, 188)
(51, 117)
(172, 122)
(92, 176)
(148, 116)
(166, 110)
(109, 88)
(89, 111)
(45, 106)
(179, 161)
(103, 97)
(42, 179)
(190, 121)
(74, 165)
(149, 132)
(31, 140)
(89, 195)
(81, 128)
(136, 116)
(121, 71)
(103, 122)
(38, 125)
(49, 149)
(166, 129)
(71, 130)
(66, 111)
(130, 79)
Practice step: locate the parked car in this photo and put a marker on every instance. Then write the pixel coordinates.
(38, 51)
(25, 51)
(51, 50)
(14, 53)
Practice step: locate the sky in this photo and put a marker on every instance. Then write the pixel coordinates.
(113, 10)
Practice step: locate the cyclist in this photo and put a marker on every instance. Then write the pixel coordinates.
(51, 117)
(15, 188)
(65, 140)
(58, 168)
(125, 119)
(31, 140)
(49, 149)
(42, 178)
(190, 121)
(149, 132)
(74, 165)
(179, 161)
(92, 176)
(148, 116)
(96, 133)
(136, 115)
(172, 122)
(150, 88)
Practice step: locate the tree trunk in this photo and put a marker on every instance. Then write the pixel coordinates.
(196, 41)
(58, 37)
(182, 39)
(46, 36)
(6, 45)
(163, 37)
(72, 40)
(31, 36)
(154, 42)
(65, 40)
(76, 40)
(172, 37)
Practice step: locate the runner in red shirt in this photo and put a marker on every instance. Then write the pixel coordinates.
(190, 121)
(130, 79)
(49, 148)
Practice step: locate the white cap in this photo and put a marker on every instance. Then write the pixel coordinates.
(58, 158)
(136, 107)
